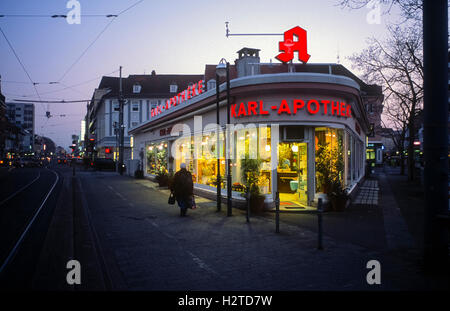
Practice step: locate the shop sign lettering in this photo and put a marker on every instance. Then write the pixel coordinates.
(312, 106)
(192, 91)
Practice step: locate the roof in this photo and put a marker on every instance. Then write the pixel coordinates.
(336, 69)
(152, 85)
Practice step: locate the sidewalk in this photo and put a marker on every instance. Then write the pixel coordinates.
(155, 249)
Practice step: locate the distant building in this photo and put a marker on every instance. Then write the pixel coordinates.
(4, 124)
(141, 94)
(22, 116)
(44, 146)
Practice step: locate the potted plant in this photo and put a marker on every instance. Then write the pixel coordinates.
(338, 196)
(139, 174)
(162, 178)
(323, 168)
(251, 173)
(330, 167)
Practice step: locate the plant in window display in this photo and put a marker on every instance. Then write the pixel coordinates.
(250, 169)
(237, 186)
(263, 184)
(329, 169)
(323, 167)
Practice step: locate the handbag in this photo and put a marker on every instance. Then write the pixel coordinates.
(171, 200)
(193, 205)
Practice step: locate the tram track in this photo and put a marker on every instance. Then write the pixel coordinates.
(24, 211)
(20, 190)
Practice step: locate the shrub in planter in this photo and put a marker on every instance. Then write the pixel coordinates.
(256, 200)
(251, 173)
(162, 178)
(338, 196)
(139, 174)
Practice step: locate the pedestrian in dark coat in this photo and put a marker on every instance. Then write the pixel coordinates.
(183, 189)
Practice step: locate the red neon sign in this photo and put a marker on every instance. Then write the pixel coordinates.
(312, 106)
(289, 46)
(192, 91)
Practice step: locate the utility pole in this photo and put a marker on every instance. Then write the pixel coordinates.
(121, 126)
(219, 190)
(435, 36)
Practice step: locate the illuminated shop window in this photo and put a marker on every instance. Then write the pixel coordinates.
(330, 164)
(207, 160)
(253, 148)
(156, 157)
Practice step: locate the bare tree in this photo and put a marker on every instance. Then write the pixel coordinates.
(397, 65)
(410, 9)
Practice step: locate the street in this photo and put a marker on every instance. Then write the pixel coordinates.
(26, 207)
(126, 237)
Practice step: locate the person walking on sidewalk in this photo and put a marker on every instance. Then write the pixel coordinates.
(183, 189)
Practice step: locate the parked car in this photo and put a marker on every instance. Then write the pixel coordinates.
(31, 162)
(62, 161)
(17, 163)
(4, 162)
(103, 164)
(79, 161)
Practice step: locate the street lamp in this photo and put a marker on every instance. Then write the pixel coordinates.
(223, 70)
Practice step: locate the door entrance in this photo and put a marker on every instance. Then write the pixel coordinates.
(292, 170)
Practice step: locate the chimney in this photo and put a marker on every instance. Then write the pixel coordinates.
(248, 62)
(153, 73)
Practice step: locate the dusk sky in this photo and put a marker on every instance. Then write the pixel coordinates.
(170, 37)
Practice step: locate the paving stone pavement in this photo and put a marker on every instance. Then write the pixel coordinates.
(368, 193)
(155, 249)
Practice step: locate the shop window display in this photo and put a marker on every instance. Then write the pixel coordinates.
(329, 146)
(207, 161)
(253, 144)
(157, 158)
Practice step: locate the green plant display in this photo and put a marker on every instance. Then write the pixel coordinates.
(329, 167)
(250, 169)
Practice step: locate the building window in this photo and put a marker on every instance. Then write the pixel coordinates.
(173, 88)
(116, 106)
(135, 107)
(136, 88)
(211, 84)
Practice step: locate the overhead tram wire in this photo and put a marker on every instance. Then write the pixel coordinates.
(98, 36)
(85, 51)
(53, 15)
(20, 62)
(66, 87)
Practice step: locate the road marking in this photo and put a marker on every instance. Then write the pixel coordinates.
(154, 224)
(202, 264)
(20, 190)
(118, 194)
(197, 260)
(17, 245)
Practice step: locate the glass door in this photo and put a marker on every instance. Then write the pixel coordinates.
(292, 174)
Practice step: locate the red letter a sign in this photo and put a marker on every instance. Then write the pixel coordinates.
(289, 46)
